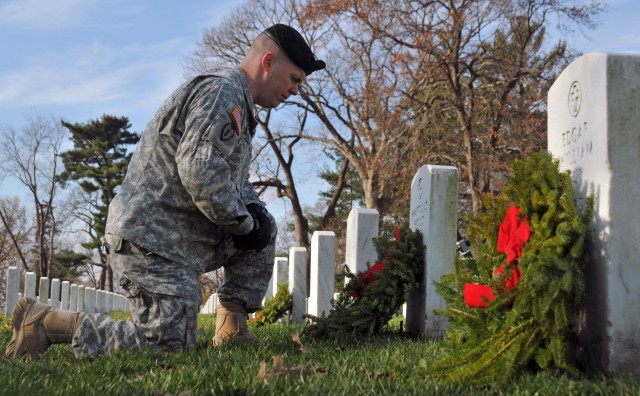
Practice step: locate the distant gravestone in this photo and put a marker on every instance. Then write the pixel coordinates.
(13, 289)
(30, 285)
(101, 306)
(269, 293)
(362, 227)
(43, 292)
(323, 271)
(55, 293)
(434, 212)
(73, 298)
(81, 299)
(298, 282)
(593, 123)
(89, 300)
(280, 272)
(64, 296)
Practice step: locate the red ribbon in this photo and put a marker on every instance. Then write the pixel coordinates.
(372, 273)
(512, 236)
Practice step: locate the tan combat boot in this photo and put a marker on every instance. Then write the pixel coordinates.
(36, 326)
(231, 323)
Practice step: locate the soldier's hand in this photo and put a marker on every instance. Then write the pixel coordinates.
(260, 236)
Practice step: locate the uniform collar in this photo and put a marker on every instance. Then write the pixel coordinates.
(247, 97)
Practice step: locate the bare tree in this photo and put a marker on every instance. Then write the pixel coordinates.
(461, 82)
(14, 234)
(31, 156)
(14, 239)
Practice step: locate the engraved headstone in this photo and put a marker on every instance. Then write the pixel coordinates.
(593, 119)
(100, 301)
(433, 211)
(362, 227)
(55, 293)
(298, 283)
(323, 271)
(81, 299)
(90, 300)
(73, 298)
(13, 289)
(64, 296)
(43, 292)
(280, 272)
(30, 285)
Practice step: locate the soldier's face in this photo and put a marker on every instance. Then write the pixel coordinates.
(283, 80)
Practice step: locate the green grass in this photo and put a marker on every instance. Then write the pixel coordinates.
(388, 364)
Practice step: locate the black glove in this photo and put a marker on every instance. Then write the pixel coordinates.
(260, 236)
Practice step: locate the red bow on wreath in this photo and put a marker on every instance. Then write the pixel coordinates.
(372, 273)
(512, 236)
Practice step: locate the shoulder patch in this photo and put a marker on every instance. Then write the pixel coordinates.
(236, 118)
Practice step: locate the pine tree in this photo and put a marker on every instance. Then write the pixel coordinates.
(99, 162)
(529, 325)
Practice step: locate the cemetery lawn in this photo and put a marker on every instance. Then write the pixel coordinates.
(388, 364)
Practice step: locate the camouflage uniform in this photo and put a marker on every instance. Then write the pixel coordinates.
(184, 195)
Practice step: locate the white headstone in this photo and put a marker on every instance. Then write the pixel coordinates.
(593, 122)
(81, 298)
(30, 285)
(43, 293)
(89, 300)
(73, 298)
(64, 296)
(433, 211)
(298, 282)
(55, 293)
(362, 227)
(101, 301)
(13, 289)
(280, 272)
(110, 302)
(323, 271)
(268, 295)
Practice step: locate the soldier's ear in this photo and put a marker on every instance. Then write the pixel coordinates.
(266, 62)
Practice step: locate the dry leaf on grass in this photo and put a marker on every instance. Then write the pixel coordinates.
(280, 370)
(296, 338)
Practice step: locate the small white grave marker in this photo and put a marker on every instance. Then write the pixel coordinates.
(298, 282)
(362, 227)
(323, 271)
(433, 211)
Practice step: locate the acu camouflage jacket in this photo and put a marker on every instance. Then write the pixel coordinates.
(187, 187)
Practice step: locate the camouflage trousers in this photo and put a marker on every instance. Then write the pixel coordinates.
(246, 273)
(165, 297)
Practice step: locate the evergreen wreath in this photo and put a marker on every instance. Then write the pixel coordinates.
(275, 308)
(372, 297)
(505, 318)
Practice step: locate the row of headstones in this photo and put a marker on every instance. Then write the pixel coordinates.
(62, 295)
(433, 211)
(211, 305)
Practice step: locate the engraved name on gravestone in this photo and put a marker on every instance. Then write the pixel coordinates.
(593, 130)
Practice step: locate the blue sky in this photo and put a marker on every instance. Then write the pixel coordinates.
(79, 59)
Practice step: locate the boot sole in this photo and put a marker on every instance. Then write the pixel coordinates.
(18, 319)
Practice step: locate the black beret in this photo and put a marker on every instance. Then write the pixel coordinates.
(296, 48)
